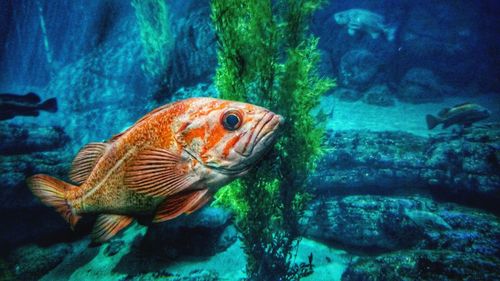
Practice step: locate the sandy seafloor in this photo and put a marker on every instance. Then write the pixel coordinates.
(401, 117)
(86, 263)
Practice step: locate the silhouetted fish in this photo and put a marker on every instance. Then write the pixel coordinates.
(12, 105)
(461, 114)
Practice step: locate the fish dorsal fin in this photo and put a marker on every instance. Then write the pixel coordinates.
(462, 104)
(107, 226)
(143, 118)
(32, 97)
(159, 172)
(85, 160)
(443, 112)
(178, 204)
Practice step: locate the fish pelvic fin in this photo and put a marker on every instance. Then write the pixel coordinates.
(49, 105)
(52, 192)
(182, 203)
(107, 226)
(432, 121)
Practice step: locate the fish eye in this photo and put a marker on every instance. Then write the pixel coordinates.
(231, 120)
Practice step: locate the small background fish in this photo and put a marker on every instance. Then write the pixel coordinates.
(363, 20)
(12, 105)
(464, 114)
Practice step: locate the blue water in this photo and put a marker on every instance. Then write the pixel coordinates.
(392, 199)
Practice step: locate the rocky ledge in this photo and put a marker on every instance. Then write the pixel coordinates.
(424, 265)
(380, 224)
(463, 168)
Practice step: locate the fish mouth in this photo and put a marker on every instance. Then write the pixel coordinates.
(267, 133)
(259, 139)
(261, 135)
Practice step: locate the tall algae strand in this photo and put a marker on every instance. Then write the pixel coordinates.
(267, 56)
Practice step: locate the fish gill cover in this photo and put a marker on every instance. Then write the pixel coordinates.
(267, 56)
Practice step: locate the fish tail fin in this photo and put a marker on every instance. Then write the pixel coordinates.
(432, 121)
(52, 192)
(390, 33)
(49, 105)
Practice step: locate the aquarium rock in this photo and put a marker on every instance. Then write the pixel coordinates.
(29, 149)
(193, 58)
(379, 95)
(447, 39)
(424, 265)
(347, 94)
(357, 69)
(204, 233)
(32, 261)
(384, 223)
(447, 165)
(420, 85)
(29, 138)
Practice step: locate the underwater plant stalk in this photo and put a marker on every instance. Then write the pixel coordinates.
(267, 57)
(48, 53)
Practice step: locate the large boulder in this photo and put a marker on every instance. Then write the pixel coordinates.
(379, 95)
(420, 85)
(193, 58)
(364, 222)
(21, 210)
(357, 69)
(393, 223)
(28, 138)
(202, 233)
(31, 262)
(104, 91)
(363, 161)
(27, 150)
(450, 39)
(423, 265)
(461, 168)
(346, 94)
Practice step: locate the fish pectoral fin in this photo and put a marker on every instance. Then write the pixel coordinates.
(159, 172)
(178, 204)
(200, 203)
(85, 161)
(107, 226)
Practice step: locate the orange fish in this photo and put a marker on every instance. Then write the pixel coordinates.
(168, 163)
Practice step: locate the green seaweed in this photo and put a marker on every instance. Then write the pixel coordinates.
(153, 19)
(266, 56)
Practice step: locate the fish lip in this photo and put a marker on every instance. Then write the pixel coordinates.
(272, 125)
(236, 172)
(263, 129)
